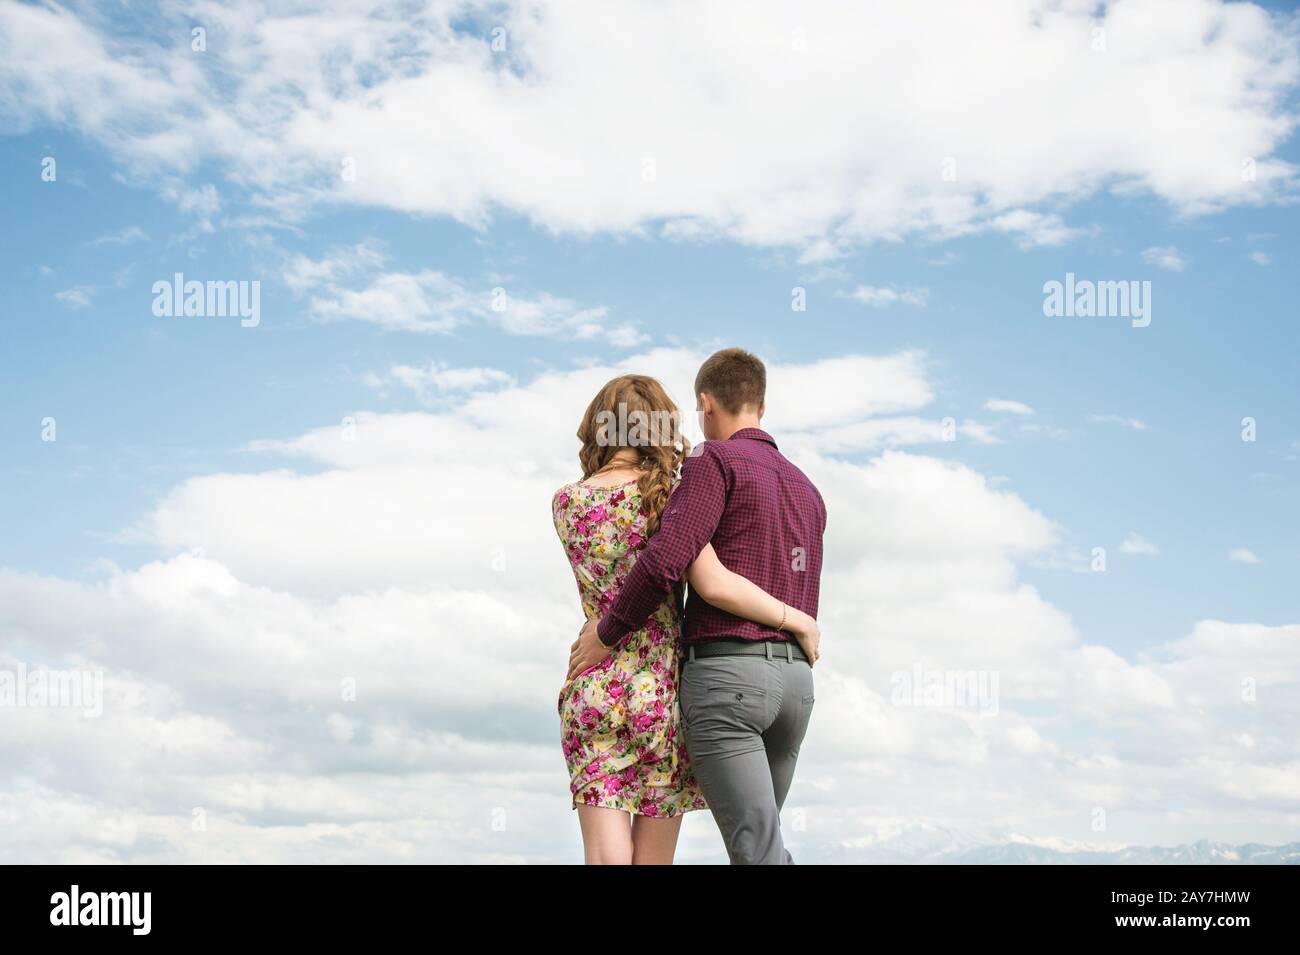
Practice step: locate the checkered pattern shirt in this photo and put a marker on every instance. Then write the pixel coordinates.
(762, 515)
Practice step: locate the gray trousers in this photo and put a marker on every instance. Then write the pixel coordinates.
(743, 719)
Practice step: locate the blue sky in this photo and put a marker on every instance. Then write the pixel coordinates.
(177, 436)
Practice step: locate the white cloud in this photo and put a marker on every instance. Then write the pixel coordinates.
(425, 301)
(559, 130)
(1035, 229)
(201, 203)
(83, 296)
(847, 390)
(1008, 406)
(1136, 544)
(1165, 257)
(350, 284)
(1047, 430)
(877, 297)
(303, 274)
(1261, 258)
(438, 380)
(76, 297)
(1133, 423)
(124, 236)
(1243, 556)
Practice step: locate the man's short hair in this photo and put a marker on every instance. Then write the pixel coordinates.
(735, 378)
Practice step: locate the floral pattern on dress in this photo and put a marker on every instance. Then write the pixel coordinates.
(620, 722)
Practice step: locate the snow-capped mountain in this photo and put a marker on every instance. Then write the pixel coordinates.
(923, 843)
(1201, 852)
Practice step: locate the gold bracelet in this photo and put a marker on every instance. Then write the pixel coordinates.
(784, 609)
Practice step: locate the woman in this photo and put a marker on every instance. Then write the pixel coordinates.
(630, 776)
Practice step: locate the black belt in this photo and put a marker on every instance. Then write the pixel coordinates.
(787, 650)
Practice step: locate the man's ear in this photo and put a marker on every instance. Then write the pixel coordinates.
(705, 403)
(762, 409)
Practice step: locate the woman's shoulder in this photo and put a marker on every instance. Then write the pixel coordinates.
(564, 495)
(578, 490)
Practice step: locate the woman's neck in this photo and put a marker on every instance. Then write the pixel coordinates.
(620, 462)
(615, 471)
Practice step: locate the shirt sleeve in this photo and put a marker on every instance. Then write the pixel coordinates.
(687, 524)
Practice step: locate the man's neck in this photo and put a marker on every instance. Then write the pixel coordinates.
(738, 423)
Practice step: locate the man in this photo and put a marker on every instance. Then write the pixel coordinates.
(746, 690)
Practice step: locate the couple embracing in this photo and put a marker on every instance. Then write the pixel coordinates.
(666, 709)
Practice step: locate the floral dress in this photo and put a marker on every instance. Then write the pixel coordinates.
(619, 720)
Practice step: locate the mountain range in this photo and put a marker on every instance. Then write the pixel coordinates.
(927, 844)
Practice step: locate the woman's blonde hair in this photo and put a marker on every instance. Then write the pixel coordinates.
(634, 411)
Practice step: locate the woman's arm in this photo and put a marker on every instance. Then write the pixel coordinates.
(740, 596)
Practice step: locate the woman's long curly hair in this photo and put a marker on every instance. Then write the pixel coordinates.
(634, 411)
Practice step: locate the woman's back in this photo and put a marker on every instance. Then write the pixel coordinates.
(602, 529)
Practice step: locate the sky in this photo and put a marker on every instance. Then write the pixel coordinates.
(310, 551)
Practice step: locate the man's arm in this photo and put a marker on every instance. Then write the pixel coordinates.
(687, 524)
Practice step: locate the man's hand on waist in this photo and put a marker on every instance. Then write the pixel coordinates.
(587, 651)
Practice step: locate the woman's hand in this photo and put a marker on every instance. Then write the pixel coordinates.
(806, 633)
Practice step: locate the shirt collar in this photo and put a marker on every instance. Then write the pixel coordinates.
(754, 434)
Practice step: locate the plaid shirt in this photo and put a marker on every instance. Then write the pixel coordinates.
(762, 515)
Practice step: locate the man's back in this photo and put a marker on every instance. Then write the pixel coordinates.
(770, 530)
